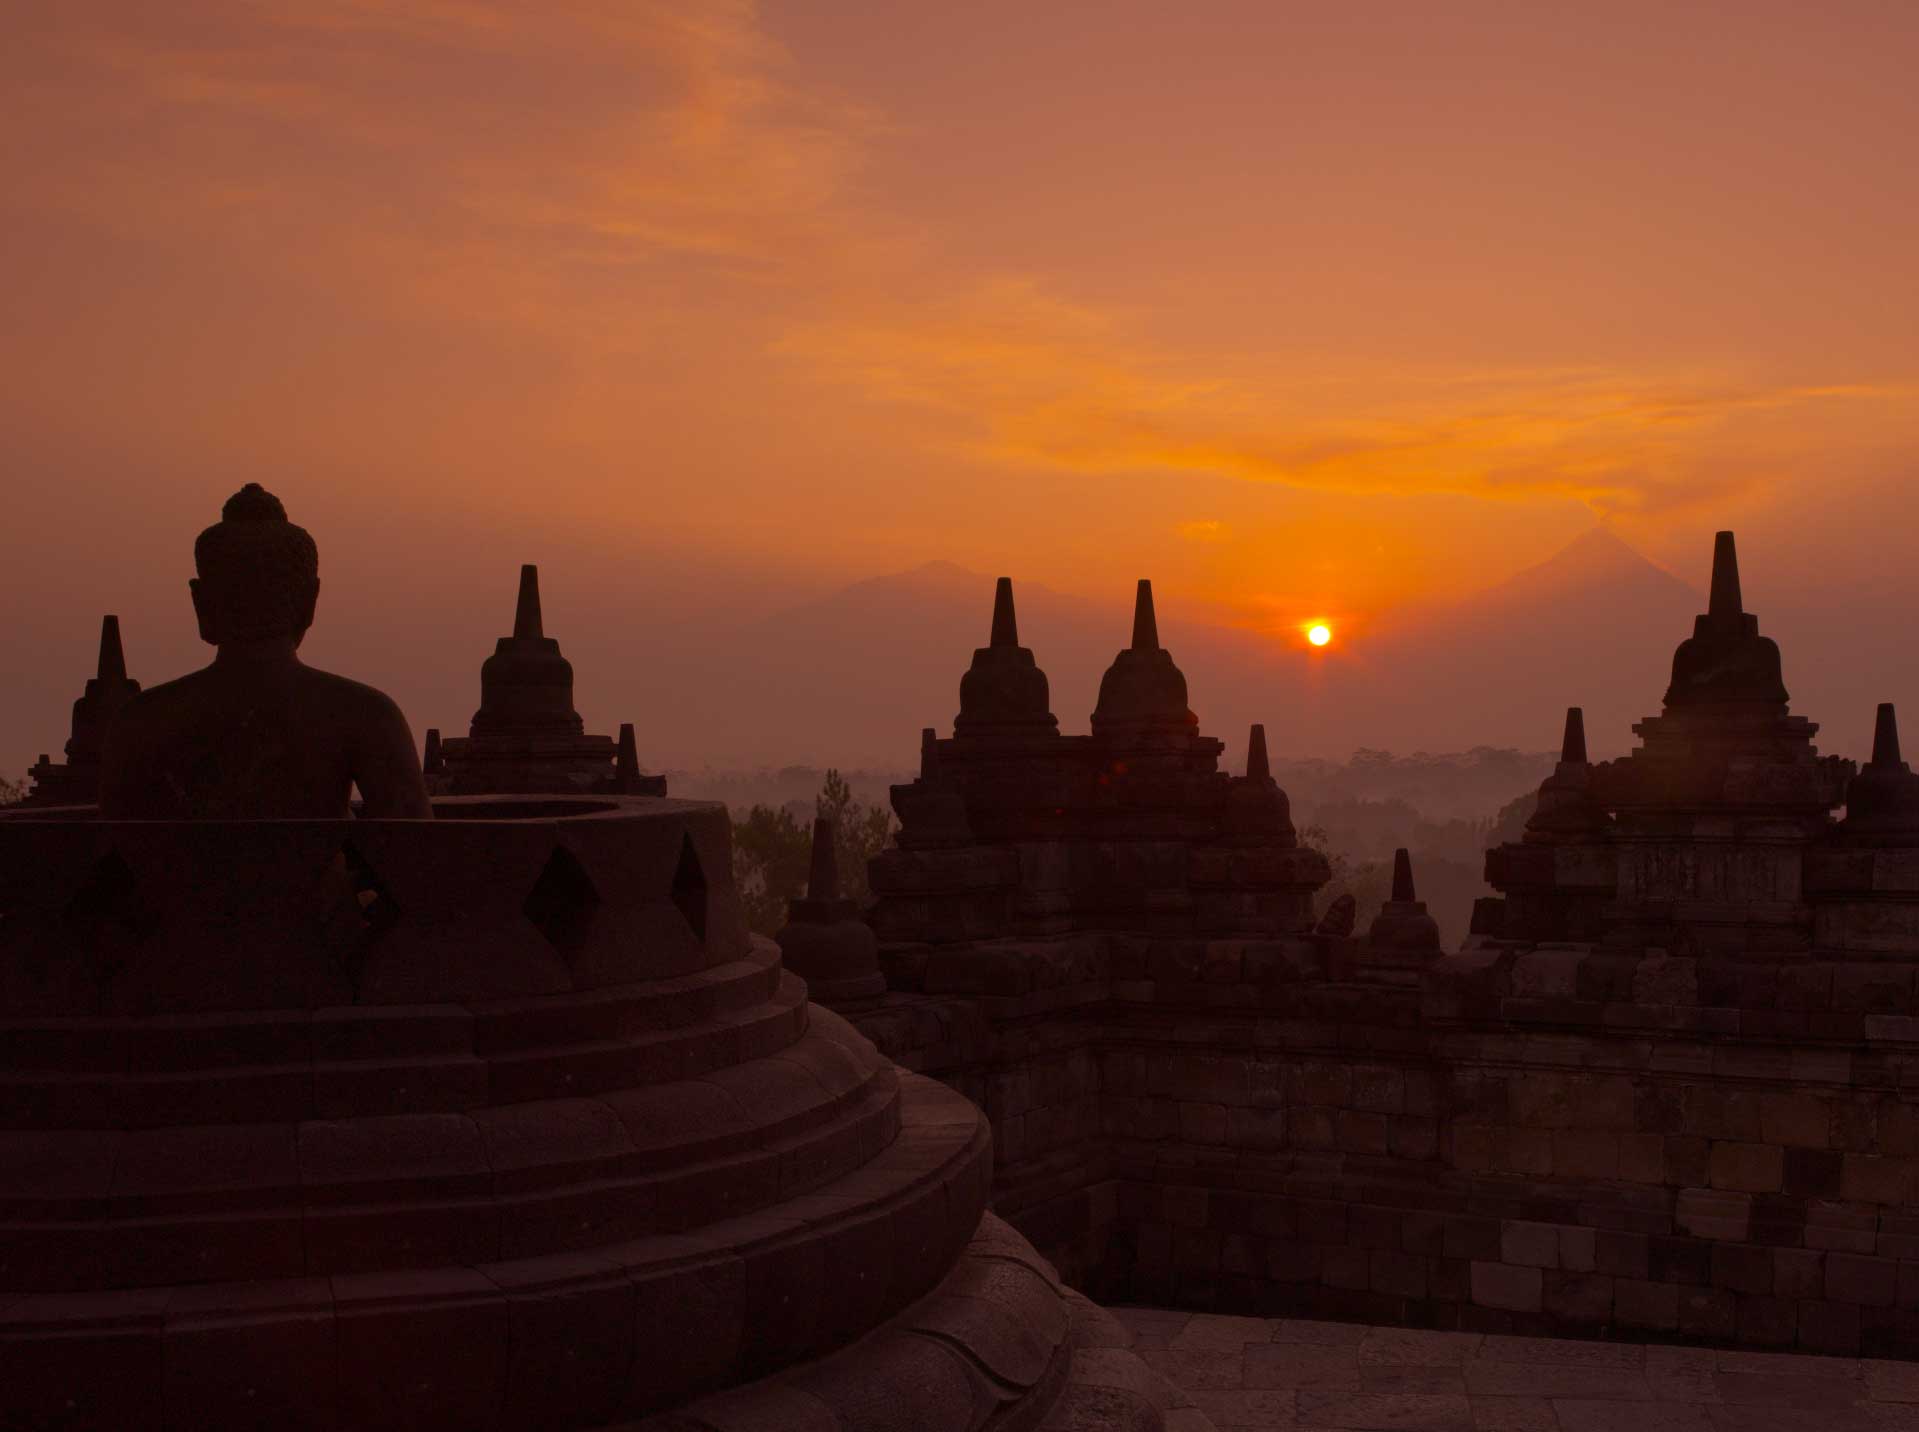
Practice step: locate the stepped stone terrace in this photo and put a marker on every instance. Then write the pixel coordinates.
(489, 1112)
(1665, 1090)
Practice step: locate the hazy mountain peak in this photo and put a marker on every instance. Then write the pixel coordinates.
(1599, 557)
(1597, 544)
(939, 569)
(940, 576)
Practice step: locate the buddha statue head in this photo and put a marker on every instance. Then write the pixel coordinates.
(257, 734)
(259, 574)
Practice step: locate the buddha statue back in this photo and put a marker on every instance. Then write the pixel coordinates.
(257, 734)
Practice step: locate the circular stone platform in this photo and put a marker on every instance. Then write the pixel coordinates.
(497, 1120)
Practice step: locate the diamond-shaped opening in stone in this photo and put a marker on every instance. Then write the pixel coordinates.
(562, 901)
(110, 897)
(378, 909)
(689, 888)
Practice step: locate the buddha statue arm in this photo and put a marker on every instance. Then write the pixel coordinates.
(387, 768)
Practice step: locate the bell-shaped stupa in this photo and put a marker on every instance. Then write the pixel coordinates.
(501, 1119)
(527, 738)
(1566, 809)
(931, 810)
(1257, 810)
(1698, 839)
(824, 941)
(526, 686)
(1403, 932)
(76, 781)
(1004, 693)
(1882, 802)
(1725, 662)
(1142, 696)
(1725, 743)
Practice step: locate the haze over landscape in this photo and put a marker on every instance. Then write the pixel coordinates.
(774, 333)
(1085, 716)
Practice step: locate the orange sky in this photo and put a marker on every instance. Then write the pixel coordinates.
(1300, 309)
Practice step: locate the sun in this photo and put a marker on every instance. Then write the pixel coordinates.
(1319, 633)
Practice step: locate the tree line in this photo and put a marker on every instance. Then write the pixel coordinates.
(773, 848)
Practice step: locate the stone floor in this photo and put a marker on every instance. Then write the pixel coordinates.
(1282, 1373)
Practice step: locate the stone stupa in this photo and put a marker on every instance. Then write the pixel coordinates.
(1403, 936)
(824, 941)
(1142, 696)
(76, 781)
(500, 1119)
(527, 738)
(1882, 802)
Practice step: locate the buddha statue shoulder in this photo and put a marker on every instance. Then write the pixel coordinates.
(257, 734)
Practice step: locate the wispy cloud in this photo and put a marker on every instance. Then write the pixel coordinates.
(577, 171)
(1014, 375)
(541, 165)
(1202, 530)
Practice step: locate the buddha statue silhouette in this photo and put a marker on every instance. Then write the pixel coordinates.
(257, 734)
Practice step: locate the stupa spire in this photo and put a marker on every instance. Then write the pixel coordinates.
(1572, 747)
(1726, 661)
(1142, 696)
(626, 764)
(1257, 811)
(1005, 622)
(824, 941)
(77, 781)
(1004, 693)
(1145, 623)
(931, 809)
(433, 762)
(1258, 768)
(1403, 934)
(1882, 801)
(823, 878)
(526, 736)
(1726, 600)
(1565, 808)
(1885, 737)
(526, 616)
(1403, 877)
(113, 661)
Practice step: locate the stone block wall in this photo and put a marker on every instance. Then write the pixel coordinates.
(1868, 900)
(1549, 1140)
(1016, 1033)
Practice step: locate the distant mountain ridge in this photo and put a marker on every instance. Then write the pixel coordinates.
(1593, 625)
(1598, 558)
(854, 674)
(850, 676)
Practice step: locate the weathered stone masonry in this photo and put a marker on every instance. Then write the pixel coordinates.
(485, 1114)
(1666, 1089)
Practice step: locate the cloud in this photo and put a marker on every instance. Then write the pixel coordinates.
(1205, 530)
(1016, 376)
(605, 175)
(550, 167)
